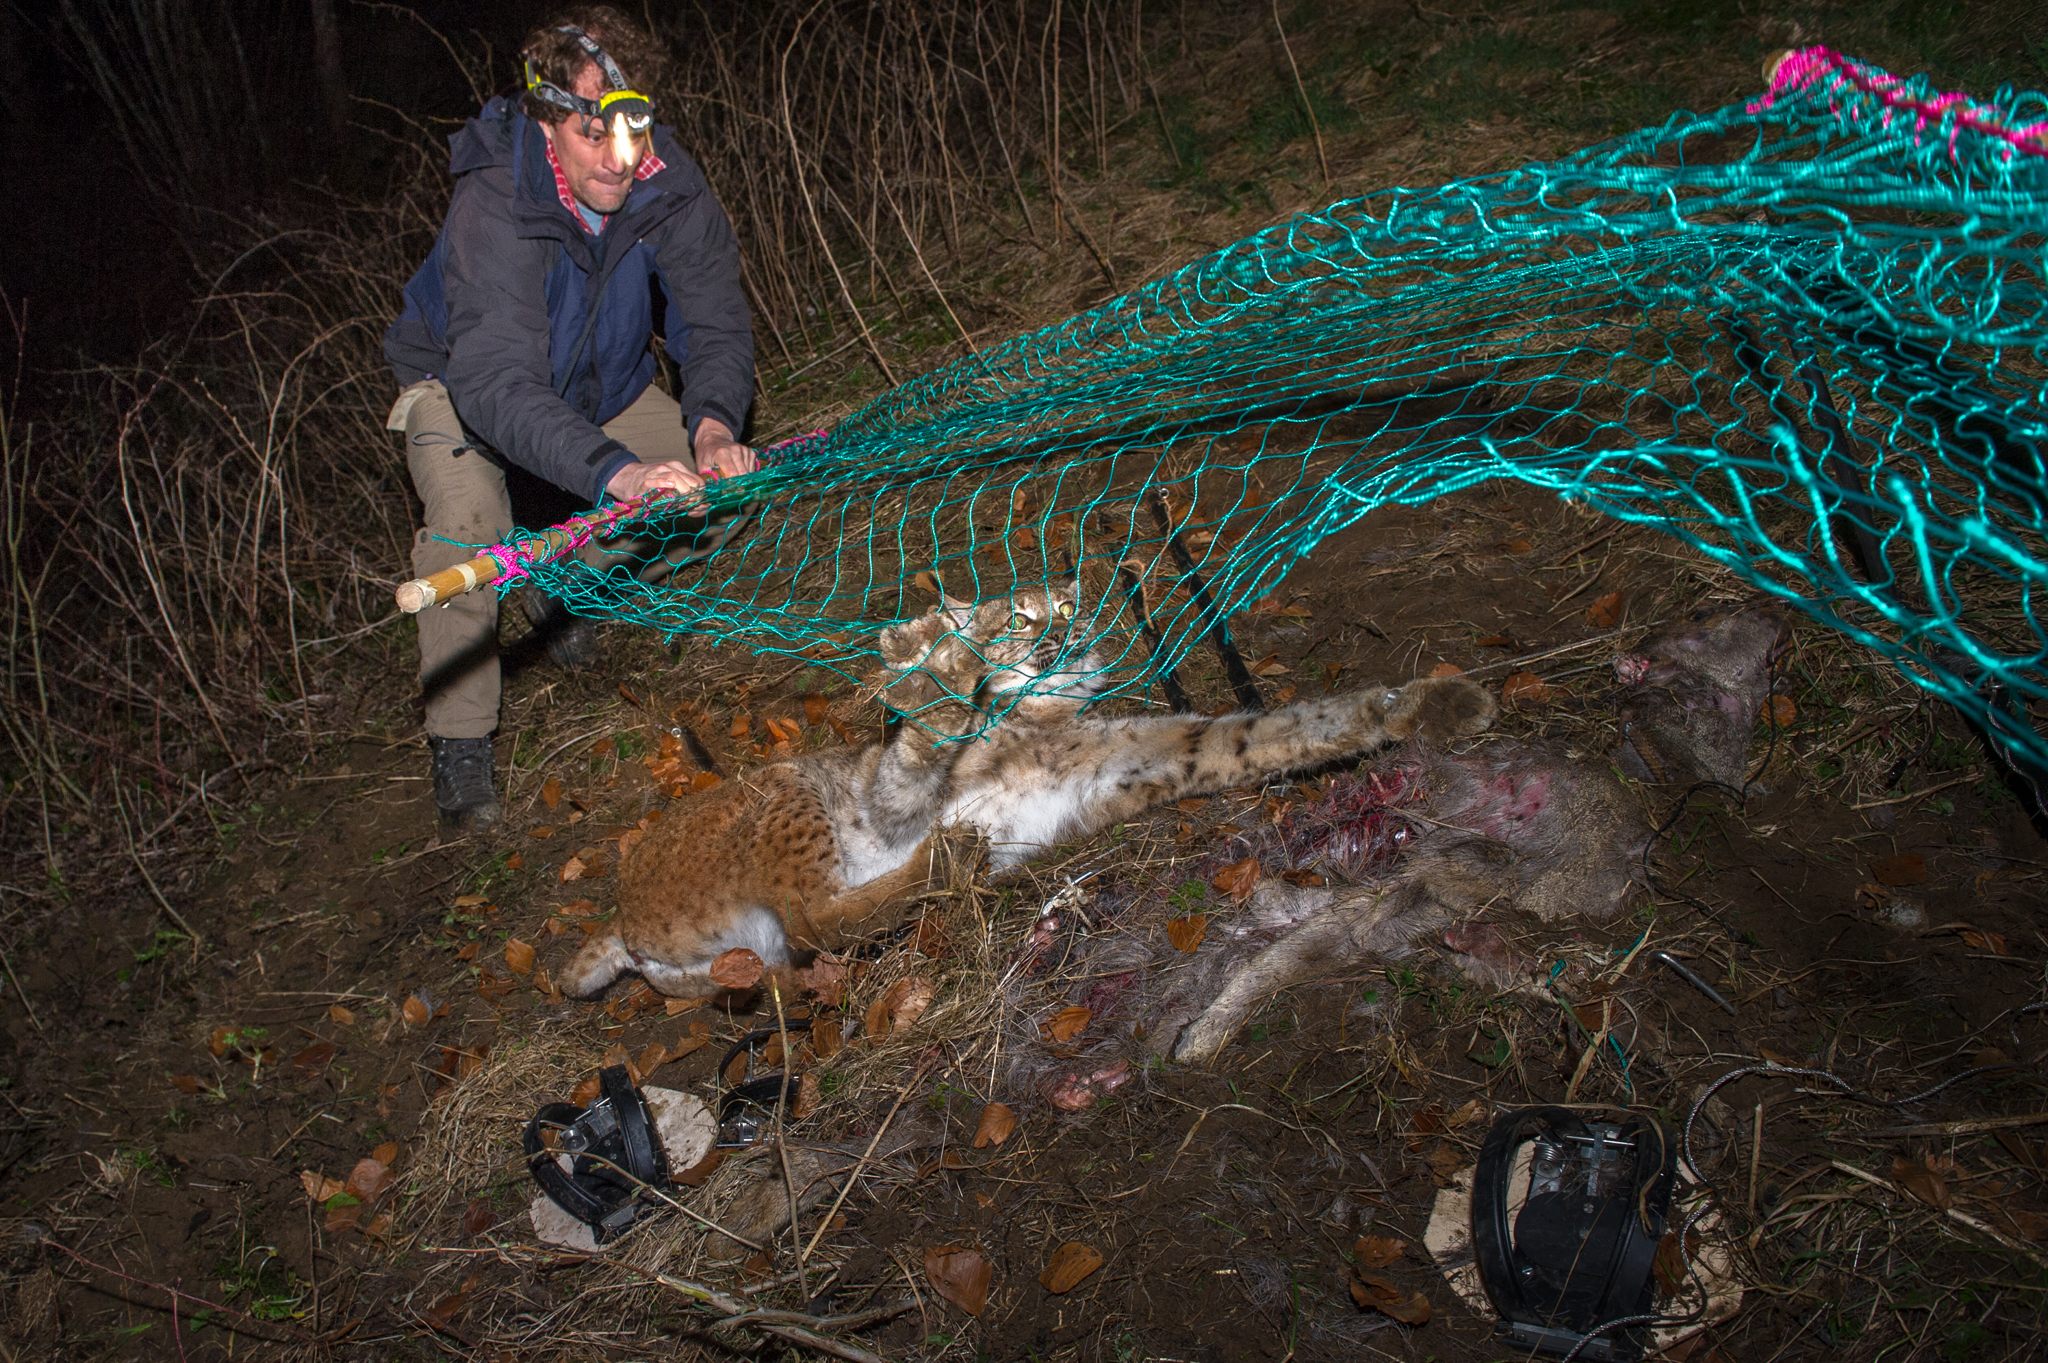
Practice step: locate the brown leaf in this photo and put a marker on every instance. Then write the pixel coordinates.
(518, 956)
(1187, 931)
(314, 1058)
(1237, 879)
(1270, 666)
(825, 978)
(1380, 1294)
(1070, 1264)
(386, 1151)
(340, 1016)
(1066, 1024)
(742, 724)
(1924, 1183)
(736, 969)
(998, 1123)
(1780, 711)
(573, 869)
(808, 1094)
(1377, 1251)
(416, 1010)
(962, 1276)
(1447, 670)
(586, 1089)
(816, 707)
(370, 1177)
(900, 1005)
(1494, 641)
(785, 730)
(827, 1036)
(1907, 868)
(1991, 942)
(442, 1313)
(478, 1217)
(651, 1057)
(551, 792)
(319, 1187)
(1606, 612)
(1526, 686)
(187, 1084)
(703, 781)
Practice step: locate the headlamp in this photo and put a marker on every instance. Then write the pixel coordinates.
(625, 113)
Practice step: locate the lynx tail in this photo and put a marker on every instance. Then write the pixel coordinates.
(598, 962)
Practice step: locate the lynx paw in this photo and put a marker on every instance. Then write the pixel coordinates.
(1440, 708)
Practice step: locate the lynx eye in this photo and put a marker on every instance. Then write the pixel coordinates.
(1020, 621)
(1066, 610)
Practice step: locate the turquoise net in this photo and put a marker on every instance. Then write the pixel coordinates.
(1807, 336)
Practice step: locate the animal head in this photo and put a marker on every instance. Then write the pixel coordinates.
(972, 652)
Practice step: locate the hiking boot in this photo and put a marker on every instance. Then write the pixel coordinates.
(570, 640)
(462, 782)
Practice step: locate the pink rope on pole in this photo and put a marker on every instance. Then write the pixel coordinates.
(1810, 66)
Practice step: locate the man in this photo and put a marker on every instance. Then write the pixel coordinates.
(524, 340)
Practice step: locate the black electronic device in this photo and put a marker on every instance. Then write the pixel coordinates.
(1576, 1253)
(615, 1156)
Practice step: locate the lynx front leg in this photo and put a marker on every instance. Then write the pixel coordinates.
(1170, 759)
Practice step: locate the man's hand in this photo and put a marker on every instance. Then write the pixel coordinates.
(637, 478)
(719, 453)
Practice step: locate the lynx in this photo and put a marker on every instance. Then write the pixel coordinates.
(814, 852)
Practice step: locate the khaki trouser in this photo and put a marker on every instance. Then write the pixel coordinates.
(465, 500)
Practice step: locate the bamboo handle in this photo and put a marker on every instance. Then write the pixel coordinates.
(422, 592)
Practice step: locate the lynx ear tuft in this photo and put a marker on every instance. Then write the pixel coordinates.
(958, 613)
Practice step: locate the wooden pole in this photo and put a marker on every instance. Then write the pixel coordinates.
(551, 543)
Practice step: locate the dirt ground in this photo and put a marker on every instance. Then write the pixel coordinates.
(358, 991)
(276, 1114)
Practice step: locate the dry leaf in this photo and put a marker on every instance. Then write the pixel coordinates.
(187, 1084)
(1907, 868)
(736, 969)
(470, 901)
(1924, 1183)
(1780, 711)
(652, 1057)
(586, 1090)
(1447, 670)
(416, 1010)
(319, 1187)
(551, 792)
(1270, 666)
(340, 1016)
(1606, 612)
(1992, 942)
(518, 957)
(477, 1217)
(573, 869)
(1070, 1264)
(816, 707)
(742, 724)
(998, 1122)
(785, 730)
(900, 1005)
(704, 780)
(1379, 1294)
(314, 1058)
(1526, 686)
(1187, 931)
(827, 1036)
(1067, 1024)
(1495, 641)
(962, 1276)
(370, 1177)
(1377, 1251)
(1237, 879)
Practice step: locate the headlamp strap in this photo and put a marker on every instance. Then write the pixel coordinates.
(637, 108)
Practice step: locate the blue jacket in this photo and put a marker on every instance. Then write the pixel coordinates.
(501, 311)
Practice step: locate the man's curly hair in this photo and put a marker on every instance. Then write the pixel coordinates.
(560, 59)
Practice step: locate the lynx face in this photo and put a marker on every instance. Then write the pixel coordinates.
(989, 655)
